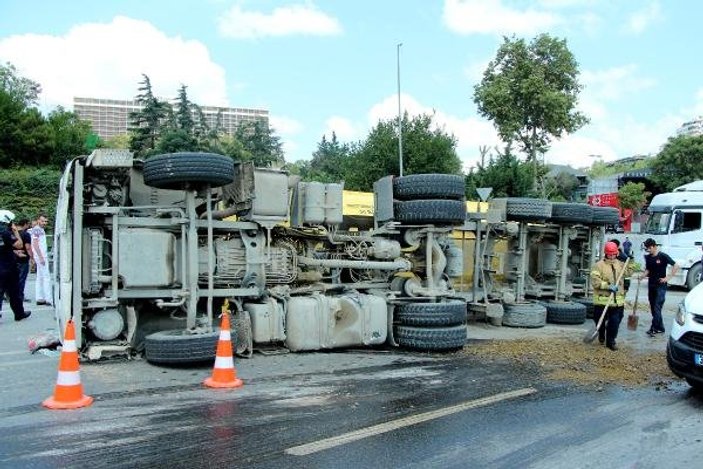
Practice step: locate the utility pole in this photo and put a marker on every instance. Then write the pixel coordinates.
(400, 115)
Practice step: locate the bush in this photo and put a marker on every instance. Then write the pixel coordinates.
(29, 191)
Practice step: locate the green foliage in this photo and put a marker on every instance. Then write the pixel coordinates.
(328, 162)
(70, 136)
(29, 191)
(561, 187)
(679, 162)
(633, 196)
(146, 125)
(530, 92)
(259, 144)
(183, 111)
(505, 173)
(426, 149)
(22, 90)
(600, 169)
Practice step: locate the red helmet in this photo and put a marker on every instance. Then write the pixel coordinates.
(611, 248)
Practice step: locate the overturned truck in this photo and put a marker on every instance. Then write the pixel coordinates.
(146, 252)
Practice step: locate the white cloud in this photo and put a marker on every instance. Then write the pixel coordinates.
(106, 60)
(613, 83)
(474, 70)
(342, 127)
(285, 125)
(470, 132)
(492, 17)
(299, 19)
(642, 19)
(698, 106)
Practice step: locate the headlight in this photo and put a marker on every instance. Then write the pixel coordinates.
(680, 317)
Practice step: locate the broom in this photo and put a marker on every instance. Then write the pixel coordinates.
(593, 332)
(632, 319)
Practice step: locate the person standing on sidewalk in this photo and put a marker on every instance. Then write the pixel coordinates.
(656, 263)
(23, 254)
(604, 278)
(39, 251)
(9, 276)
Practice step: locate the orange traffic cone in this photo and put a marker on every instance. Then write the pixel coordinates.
(68, 393)
(224, 375)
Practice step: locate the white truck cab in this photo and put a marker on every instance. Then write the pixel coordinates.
(675, 222)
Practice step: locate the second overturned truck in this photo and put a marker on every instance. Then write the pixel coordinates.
(146, 252)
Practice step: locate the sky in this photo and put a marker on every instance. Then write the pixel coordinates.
(323, 66)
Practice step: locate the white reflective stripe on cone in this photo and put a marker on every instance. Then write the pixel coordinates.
(224, 335)
(68, 378)
(69, 346)
(224, 362)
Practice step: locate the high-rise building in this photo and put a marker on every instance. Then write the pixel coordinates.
(692, 128)
(110, 117)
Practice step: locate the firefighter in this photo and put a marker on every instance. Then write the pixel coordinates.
(604, 278)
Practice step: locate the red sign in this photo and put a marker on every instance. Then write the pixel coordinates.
(604, 200)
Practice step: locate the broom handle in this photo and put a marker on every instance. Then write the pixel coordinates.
(612, 295)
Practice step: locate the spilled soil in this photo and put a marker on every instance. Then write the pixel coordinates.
(572, 360)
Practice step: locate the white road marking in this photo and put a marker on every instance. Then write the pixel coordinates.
(386, 427)
(26, 362)
(16, 352)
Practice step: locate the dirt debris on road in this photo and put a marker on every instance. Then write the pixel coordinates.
(585, 364)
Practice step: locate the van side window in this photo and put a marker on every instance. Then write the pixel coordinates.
(686, 221)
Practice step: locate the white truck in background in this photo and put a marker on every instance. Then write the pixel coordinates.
(676, 223)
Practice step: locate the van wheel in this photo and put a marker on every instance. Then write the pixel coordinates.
(694, 277)
(177, 170)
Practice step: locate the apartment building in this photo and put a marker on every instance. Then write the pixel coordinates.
(110, 117)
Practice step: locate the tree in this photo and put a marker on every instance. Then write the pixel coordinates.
(328, 162)
(426, 149)
(183, 111)
(70, 136)
(561, 187)
(679, 162)
(505, 173)
(20, 89)
(260, 144)
(530, 92)
(633, 196)
(146, 125)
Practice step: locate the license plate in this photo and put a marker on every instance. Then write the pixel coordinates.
(698, 359)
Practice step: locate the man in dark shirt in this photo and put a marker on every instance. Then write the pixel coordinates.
(10, 240)
(24, 254)
(656, 264)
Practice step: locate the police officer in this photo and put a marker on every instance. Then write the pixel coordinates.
(604, 278)
(10, 240)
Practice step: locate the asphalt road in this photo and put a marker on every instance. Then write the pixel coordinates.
(371, 408)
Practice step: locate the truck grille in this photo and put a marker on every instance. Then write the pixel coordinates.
(693, 340)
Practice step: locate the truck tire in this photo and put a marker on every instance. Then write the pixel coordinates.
(571, 213)
(452, 313)
(527, 209)
(430, 339)
(176, 170)
(177, 347)
(429, 186)
(565, 312)
(606, 216)
(588, 303)
(430, 211)
(695, 275)
(527, 315)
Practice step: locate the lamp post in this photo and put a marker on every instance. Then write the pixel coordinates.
(400, 117)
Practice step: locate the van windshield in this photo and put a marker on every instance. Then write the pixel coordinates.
(658, 223)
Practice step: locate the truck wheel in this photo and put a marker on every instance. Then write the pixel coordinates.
(588, 303)
(430, 339)
(528, 315)
(694, 277)
(606, 216)
(429, 186)
(565, 312)
(451, 313)
(176, 170)
(430, 211)
(528, 209)
(175, 347)
(571, 213)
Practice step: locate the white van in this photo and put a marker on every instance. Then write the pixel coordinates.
(675, 222)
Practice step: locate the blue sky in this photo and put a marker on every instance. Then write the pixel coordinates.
(323, 65)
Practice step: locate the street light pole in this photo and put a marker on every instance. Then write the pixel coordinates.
(400, 117)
